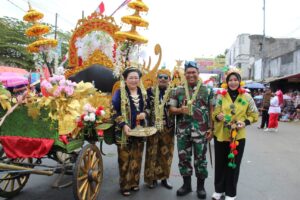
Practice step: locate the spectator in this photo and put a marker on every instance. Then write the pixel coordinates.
(265, 108)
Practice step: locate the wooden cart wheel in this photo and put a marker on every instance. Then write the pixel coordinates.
(88, 173)
(12, 183)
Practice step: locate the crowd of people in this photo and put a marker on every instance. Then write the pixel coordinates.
(286, 106)
(192, 113)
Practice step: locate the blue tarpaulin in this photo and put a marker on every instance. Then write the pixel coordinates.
(255, 86)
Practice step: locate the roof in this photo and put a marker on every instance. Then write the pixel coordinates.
(291, 76)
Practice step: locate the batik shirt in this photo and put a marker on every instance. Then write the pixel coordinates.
(150, 108)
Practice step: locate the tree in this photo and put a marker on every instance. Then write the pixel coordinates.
(13, 42)
(220, 56)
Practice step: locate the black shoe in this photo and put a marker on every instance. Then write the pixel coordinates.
(186, 187)
(166, 184)
(153, 185)
(201, 193)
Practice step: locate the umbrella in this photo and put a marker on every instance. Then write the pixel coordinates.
(10, 79)
(286, 97)
(258, 97)
(255, 86)
(13, 69)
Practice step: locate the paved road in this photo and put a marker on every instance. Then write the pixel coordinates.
(270, 171)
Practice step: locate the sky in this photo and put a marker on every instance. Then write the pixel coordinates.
(186, 29)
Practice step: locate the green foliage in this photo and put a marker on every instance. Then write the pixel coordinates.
(220, 56)
(13, 42)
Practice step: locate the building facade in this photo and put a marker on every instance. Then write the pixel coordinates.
(261, 59)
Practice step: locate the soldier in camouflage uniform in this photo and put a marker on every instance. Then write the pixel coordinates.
(160, 146)
(193, 128)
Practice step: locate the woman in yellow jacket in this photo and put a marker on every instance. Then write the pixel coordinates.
(234, 110)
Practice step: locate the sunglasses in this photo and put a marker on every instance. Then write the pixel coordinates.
(162, 76)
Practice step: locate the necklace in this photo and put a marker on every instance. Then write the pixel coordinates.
(159, 107)
(136, 101)
(187, 94)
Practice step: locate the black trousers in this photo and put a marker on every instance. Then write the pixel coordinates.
(226, 178)
(264, 119)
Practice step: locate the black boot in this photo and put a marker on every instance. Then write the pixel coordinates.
(186, 187)
(201, 193)
(166, 184)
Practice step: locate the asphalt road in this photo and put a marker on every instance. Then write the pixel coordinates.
(269, 171)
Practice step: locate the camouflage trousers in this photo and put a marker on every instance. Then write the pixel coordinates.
(191, 141)
(159, 156)
(130, 162)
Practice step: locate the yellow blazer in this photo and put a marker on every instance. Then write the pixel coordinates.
(245, 109)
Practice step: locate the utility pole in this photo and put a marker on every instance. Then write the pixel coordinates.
(55, 32)
(263, 63)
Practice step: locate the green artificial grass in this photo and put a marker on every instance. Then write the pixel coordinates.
(18, 123)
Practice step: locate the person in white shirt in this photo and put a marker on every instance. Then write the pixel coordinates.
(274, 111)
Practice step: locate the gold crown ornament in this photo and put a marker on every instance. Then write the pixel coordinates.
(165, 71)
(229, 70)
(233, 69)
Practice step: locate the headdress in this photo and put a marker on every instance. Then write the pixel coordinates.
(131, 69)
(230, 70)
(279, 94)
(165, 71)
(190, 64)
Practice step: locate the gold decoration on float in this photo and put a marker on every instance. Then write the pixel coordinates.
(94, 22)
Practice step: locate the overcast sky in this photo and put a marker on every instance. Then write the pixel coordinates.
(184, 28)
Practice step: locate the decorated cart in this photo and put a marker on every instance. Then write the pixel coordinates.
(72, 115)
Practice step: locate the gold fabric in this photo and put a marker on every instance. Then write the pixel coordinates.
(130, 161)
(159, 155)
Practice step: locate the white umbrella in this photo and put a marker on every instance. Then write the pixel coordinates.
(286, 97)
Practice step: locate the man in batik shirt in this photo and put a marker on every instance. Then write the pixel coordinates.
(160, 146)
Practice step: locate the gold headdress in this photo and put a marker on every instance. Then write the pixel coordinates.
(165, 71)
(228, 70)
(233, 69)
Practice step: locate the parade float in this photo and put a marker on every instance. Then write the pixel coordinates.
(72, 115)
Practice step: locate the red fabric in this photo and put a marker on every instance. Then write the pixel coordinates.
(101, 8)
(46, 73)
(273, 120)
(79, 61)
(280, 97)
(22, 147)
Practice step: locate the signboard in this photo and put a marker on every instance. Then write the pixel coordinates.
(210, 65)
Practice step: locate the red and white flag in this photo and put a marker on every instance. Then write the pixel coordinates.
(100, 9)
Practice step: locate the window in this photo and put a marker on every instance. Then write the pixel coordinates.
(287, 58)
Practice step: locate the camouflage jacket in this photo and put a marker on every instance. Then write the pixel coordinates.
(200, 118)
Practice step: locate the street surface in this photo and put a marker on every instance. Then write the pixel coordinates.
(269, 171)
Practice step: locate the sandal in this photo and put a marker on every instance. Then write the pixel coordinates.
(136, 188)
(152, 185)
(125, 193)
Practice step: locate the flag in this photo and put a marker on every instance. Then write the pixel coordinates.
(123, 4)
(100, 9)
